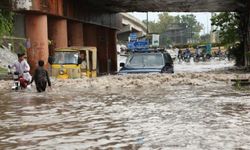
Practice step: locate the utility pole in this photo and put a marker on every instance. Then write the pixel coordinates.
(212, 34)
(208, 29)
(147, 23)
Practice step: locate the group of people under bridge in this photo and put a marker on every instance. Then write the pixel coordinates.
(200, 54)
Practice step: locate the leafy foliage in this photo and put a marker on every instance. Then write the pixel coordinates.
(152, 26)
(6, 22)
(205, 38)
(227, 23)
(192, 24)
(231, 28)
(3, 70)
(237, 50)
(166, 21)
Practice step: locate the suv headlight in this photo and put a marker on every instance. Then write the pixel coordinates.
(61, 72)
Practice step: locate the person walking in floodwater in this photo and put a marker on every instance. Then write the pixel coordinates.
(41, 77)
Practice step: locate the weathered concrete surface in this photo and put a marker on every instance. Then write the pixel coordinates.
(57, 32)
(75, 33)
(37, 32)
(57, 6)
(168, 5)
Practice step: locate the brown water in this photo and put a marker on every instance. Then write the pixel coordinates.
(207, 116)
(179, 117)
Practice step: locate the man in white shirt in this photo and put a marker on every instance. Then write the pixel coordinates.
(23, 68)
(21, 65)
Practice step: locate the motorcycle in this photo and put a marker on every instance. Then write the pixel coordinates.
(197, 58)
(186, 58)
(20, 81)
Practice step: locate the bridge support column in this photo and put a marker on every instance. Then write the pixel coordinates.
(105, 41)
(75, 34)
(112, 50)
(57, 33)
(90, 35)
(247, 49)
(245, 23)
(102, 49)
(37, 32)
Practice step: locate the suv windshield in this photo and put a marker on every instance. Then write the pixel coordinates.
(147, 60)
(66, 58)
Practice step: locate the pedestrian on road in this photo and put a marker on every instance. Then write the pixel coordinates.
(41, 77)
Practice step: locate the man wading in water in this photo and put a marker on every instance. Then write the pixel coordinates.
(41, 77)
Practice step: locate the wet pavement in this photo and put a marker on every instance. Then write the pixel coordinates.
(186, 110)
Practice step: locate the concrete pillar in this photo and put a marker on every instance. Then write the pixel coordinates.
(102, 49)
(247, 48)
(36, 5)
(60, 7)
(57, 30)
(90, 35)
(37, 32)
(112, 50)
(75, 33)
(56, 7)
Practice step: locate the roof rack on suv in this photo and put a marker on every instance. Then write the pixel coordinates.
(150, 50)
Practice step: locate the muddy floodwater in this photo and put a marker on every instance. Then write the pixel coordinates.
(191, 109)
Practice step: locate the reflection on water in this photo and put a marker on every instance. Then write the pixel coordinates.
(207, 115)
(179, 117)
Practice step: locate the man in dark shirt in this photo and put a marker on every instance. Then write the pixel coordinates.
(41, 77)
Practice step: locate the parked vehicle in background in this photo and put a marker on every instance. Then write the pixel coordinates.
(148, 62)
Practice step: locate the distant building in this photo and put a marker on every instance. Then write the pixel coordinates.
(175, 34)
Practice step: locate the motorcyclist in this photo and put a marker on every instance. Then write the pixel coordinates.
(197, 54)
(219, 53)
(22, 68)
(179, 54)
(187, 54)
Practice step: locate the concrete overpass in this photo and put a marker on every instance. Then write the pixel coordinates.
(168, 5)
(130, 24)
(95, 22)
(67, 23)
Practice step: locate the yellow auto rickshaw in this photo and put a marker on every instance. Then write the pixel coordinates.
(68, 62)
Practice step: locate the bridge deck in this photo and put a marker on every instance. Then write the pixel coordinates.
(168, 5)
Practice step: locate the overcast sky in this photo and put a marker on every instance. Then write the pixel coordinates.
(203, 18)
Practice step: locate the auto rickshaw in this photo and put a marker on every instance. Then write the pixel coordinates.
(67, 62)
(90, 60)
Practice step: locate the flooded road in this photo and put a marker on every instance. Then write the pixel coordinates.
(182, 111)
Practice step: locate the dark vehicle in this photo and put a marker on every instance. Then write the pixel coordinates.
(148, 62)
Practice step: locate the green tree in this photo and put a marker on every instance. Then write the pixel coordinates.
(152, 26)
(228, 25)
(192, 25)
(231, 27)
(205, 38)
(166, 21)
(6, 22)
